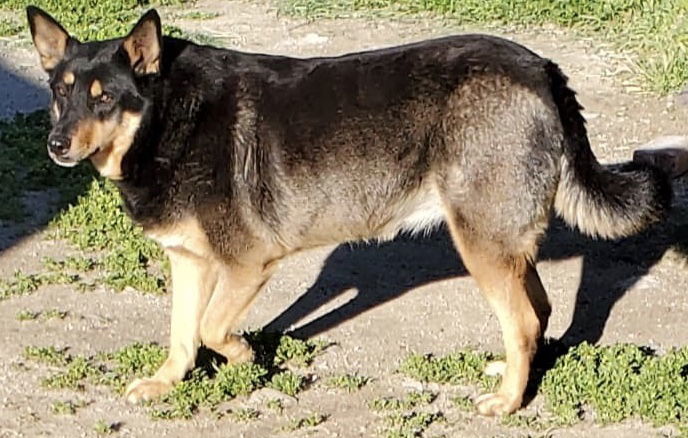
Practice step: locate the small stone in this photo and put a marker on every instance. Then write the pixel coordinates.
(669, 153)
(682, 97)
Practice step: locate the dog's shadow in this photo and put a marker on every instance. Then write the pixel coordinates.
(383, 272)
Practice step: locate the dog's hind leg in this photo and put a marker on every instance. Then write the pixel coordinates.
(193, 279)
(237, 287)
(513, 288)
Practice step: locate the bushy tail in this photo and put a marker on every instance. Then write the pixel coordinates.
(605, 201)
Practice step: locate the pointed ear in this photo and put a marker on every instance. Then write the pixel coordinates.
(143, 45)
(50, 39)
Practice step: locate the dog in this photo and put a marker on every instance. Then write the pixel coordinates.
(232, 161)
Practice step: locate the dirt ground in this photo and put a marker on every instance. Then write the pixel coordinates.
(378, 302)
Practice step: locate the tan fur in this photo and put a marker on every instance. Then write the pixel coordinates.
(69, 78)
(574, 204)
(512, 286)
(50, 42)
(114, 142)
(143, 49)
(96, 88)
(194, 277)
(56, 111)
(209, 298)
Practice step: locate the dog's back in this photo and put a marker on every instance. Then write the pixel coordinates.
(324, 150)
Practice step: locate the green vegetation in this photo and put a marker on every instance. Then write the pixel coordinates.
(347, 382)
(410, 424)
(412, 400)
(615, 382)
(204, 388)
(24, 284)
(98, 223)
(47, 355)
(102, 427)
(66, 407)
(459, 368)
(297, 352)
(9, 27)
(245, 415)
(28, 315)
(652, 30)
(287, 382)
(275, 405)
(403, 417)
(619, 382)
(311, 420)
(96, 19)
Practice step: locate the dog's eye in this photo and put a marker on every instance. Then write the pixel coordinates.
(61, 90)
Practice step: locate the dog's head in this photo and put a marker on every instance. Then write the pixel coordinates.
(96, 106)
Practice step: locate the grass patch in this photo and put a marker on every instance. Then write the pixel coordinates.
(9, 27)
(613, 383)
(90, 20)
(199, 15)
(617, 383)
(24, 284)
(410, 424)
(28, 315)
(204, 388)
(245, 415)
(347, 382)
(653, 30)
(68, 407)
(102, 427)
(298, 352)
(460, 368)
(97, 222)
(312, 420)
(47, 355)
(287, 382)
(275, 405)
(412, 400)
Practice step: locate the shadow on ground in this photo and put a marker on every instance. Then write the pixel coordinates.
(25, 168)
(383, 272)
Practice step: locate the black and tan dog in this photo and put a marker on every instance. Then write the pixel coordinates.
(232, 161)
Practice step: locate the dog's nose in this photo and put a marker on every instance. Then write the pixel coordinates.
(58, 144)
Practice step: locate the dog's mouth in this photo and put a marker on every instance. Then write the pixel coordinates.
(68, 160)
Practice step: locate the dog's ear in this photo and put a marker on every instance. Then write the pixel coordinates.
(143, 45)
(49, 37)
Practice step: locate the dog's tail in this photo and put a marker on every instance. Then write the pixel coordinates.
(605, 201)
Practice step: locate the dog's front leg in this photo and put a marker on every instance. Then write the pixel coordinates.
(193, 280)
(237, 287)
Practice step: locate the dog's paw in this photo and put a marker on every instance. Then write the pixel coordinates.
(142, 390)
(496, 404)
(495, 368)
(238, 351)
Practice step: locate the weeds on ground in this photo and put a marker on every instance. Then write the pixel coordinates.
(312, 420)
(28, 315)
(204, 388)
(412, 400)
(347, 382)
(462, 367)
(89, 20)
(614, 382)
(653, 30)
